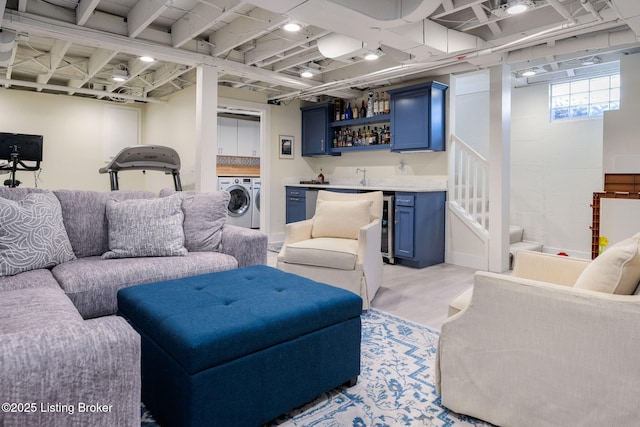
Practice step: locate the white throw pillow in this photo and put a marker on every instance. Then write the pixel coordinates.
(615, 271)
(342, 219)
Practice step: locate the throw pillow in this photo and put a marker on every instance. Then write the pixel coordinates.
(204, 216)
(341, 219)
(32, 234)
(142, 227)
(615, 271)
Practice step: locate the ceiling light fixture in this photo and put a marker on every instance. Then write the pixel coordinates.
(373, 55)
(146, 59)
(307, 74)
(292, 27)
(591, 61)
(120, 74)
(528, 73)
(518, 6)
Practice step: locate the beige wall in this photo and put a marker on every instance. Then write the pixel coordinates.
(73, 148)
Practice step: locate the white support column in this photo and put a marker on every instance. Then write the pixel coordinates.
(206, 128)
(499, 166)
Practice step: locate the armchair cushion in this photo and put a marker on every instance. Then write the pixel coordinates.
(342, 219)
(327, 252)
(615, 271)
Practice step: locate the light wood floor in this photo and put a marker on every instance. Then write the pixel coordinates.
(420, 295)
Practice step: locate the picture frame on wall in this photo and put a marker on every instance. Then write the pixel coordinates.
(286, 147)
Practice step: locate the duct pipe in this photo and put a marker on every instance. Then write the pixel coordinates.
(599, 41)
(65, 89)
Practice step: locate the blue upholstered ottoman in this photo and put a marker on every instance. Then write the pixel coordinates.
(240, 347)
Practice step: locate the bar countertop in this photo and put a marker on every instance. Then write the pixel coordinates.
(417, 184)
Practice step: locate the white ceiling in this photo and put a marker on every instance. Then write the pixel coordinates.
(73, 47)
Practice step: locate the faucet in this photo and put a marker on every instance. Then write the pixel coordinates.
(363, 181)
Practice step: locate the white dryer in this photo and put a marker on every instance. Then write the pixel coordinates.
(239, 209)
(255, 203)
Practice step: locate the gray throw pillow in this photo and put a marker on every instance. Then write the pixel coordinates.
(204, 216)
(150, 227)
(32, 234)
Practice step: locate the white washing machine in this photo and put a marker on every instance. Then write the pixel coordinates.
(239, 208)
(255, 203)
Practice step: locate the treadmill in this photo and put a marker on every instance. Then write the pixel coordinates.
(144, 157)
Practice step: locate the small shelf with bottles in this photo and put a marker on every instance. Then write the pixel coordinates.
(361, 138)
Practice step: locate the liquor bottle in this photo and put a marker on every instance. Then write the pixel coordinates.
(336, 110)
(370, 105)
(356, 111)
(349, 139)
(363, 110)
(381, 135)
(387, 105)
(335, 138)
(360, 137)
(387, 136)
(342, 116)
(348, 113)
(376, 104)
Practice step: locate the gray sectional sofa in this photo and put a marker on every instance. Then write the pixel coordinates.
(65, 358)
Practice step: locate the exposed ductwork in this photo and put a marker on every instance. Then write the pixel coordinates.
(7, 44)
(399, 24)
(629, 11)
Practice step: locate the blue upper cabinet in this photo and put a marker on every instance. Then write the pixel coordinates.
(315, 130)
(418, 117)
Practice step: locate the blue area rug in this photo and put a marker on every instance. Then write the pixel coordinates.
(395, 386)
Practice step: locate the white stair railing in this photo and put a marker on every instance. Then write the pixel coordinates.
(468, 184)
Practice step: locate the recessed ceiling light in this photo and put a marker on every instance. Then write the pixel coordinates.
(371, 56)
(516, 9)
(518, 6)
(307, 74)
(528, 73)
(120, 74)
(291, 27)
(147, 59)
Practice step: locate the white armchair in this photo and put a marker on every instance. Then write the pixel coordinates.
(537, 348)
(340, 245)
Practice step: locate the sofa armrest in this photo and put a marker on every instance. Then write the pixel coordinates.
(560, 270)
(529, 344)
(248, 246)
(93, 363)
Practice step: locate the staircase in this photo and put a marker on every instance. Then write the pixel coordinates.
(468, 208)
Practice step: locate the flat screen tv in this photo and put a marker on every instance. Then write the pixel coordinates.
(29, 146)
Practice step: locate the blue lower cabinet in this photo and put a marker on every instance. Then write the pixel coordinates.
(296, 209)
(419, 228)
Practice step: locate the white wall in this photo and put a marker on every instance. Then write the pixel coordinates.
(622, 127)
(555, 168)
(73, 130)
(173, 124)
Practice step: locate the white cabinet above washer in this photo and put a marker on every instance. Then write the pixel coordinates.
(237, 137)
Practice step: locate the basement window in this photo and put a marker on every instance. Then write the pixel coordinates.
(580, 99)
